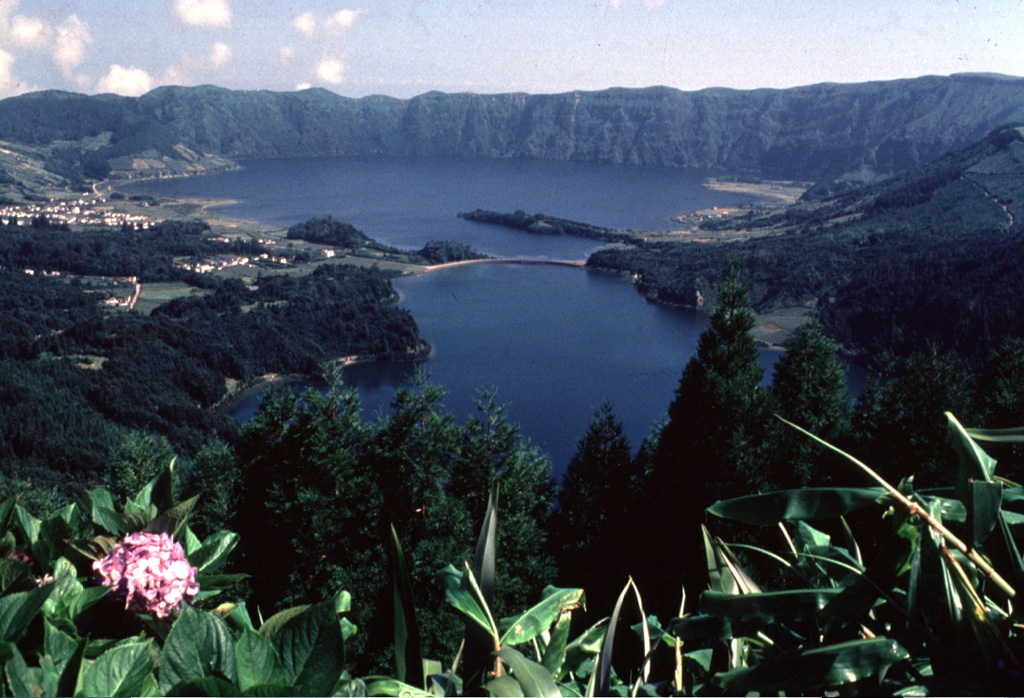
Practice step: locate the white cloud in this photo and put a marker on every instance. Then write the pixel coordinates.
(305, 23)
(221, 54)
(303, 86)
(69, 47)
(131, 82)
(205, 13)
(343, 19)
(8, 84)
(28, 31)
(331, 70)
(286, 52)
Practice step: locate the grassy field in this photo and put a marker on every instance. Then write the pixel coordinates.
(155, 294)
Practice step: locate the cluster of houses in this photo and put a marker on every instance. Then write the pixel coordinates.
(82, 211)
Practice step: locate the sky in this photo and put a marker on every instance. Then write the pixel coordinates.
(403, 48)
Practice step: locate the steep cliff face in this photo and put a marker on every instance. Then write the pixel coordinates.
(809, 132)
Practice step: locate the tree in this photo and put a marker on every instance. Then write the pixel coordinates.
(900, 418)
(710, 448)
(809, 389)
(214, 477)
(136, 460)
(598, 497)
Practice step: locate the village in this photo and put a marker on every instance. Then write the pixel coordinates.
(73, 212)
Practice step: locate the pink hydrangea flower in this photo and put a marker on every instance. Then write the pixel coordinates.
(150, 571)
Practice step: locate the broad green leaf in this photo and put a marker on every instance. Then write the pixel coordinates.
(13, 574)
(310, 645)
(206, 686)
(84, 599)
(198, 645)
(814, 670)
(8, 543)
(7, 512)
(171, 520)
(120, 671)
(214, 551)
(769, 606)
(257, 661)
(805, 504)
(18, 676)
(985, 501)
(47, 677)
(504, 687)
(533, 677)
(408, 653)
(189, 541)
(586, 647)
(554, 654)
(95, 500)
(387, 686)
(58, 645)
(542, 616)
(27, 524)
(464, 600)
(17, 611)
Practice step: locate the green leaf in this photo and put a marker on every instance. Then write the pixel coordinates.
(214, 551)
(464, 600)
(257, 661)
(17, 611)
(533, 677)
(387, 686)
(7, 512)
(13, 574)
(120, 671)
(58, 645)
(171, 520)
(814, 670)
(310, 645)
(985, 501)
(602, 679)
(505, 687)
(1011, 435)
(554, 654)
(806, 504)
(542, 616)
(585, 647)
(408, 652)
(198, 645)
(486, 549)
(977, 464)
(769, 606)
(19, 678)
(27, 524)
(206, 686)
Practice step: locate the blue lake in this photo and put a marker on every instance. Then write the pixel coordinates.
(554, 342)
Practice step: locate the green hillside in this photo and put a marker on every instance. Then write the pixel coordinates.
(925, 255)
(813, 132)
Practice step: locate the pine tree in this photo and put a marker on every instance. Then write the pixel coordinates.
(809, 389)
(710, 449)
(598, 496)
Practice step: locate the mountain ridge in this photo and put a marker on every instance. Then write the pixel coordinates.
(828, 130)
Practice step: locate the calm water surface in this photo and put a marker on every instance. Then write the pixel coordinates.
(554, 342)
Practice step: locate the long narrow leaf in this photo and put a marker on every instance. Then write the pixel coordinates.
(603, 673)
(408, 651)
(806, 504)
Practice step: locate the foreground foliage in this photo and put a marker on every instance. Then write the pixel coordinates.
(876, 590)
